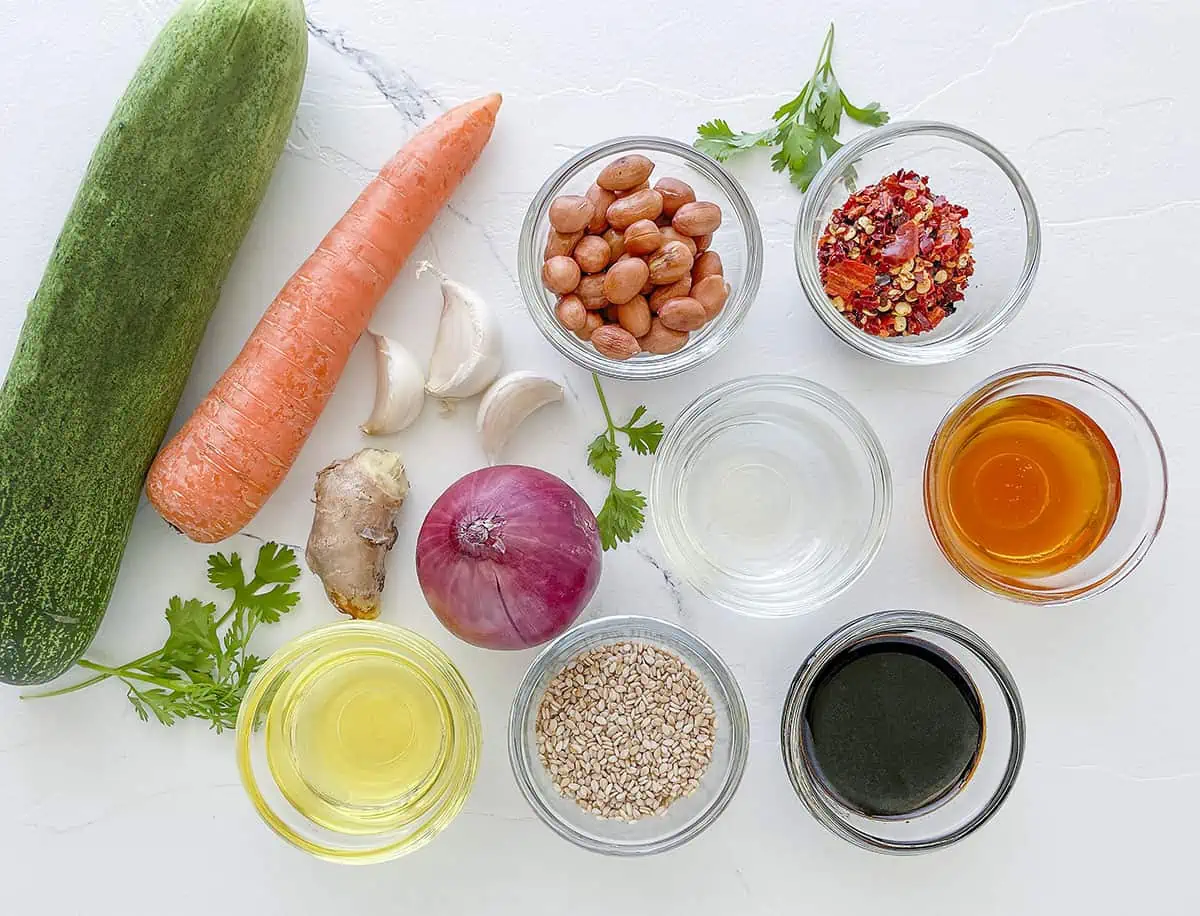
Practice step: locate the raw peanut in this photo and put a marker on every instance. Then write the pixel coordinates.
(679, 288)
(644, 204)
(611, 313)
(697, 218)
(707, 265)
(670, 235)
(642, 187)
(593, 324)
(591, 254)
(571, 313)
(670, 263)
(662, 221)
(625, 173)
(570, 213)
(615, 342)
(601, 200)
(624, 280)
(643, 237)
(711, 292)
(648, 286)
(675, 194)
(684, 314)
(616, 243)
(661, 339)
(560, 274)
(591, 291)
(704, 241)
(559, 244)
(634, 316)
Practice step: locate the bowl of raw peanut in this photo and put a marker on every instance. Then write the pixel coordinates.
(640, 257)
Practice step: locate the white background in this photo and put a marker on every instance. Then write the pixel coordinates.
(1095, 101)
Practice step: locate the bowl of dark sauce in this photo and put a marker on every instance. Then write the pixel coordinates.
(903, 732)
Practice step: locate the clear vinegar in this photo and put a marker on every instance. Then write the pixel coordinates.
(356, 741)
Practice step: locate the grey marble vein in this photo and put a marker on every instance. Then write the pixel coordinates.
(394, 83)
(669, 580)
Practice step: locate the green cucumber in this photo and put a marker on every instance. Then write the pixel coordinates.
(110, 335)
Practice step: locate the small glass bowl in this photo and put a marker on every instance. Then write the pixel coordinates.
(986, 787)
(970, 172)
(1143, 468)
(738, 241)
(771, 495)
(401, 825)
(687, 817)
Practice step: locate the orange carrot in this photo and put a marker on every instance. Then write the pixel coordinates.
(232, 453)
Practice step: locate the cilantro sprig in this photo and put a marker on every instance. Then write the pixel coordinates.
(805, 129)
(202, 672)
(623, 513)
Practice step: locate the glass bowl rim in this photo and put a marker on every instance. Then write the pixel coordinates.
(615, 629)
(883, 348)
(409, 643)
(880, 622)
(529, 263)
(853, 420)
(971, 399)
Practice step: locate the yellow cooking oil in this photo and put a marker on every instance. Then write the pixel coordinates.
(357, 739)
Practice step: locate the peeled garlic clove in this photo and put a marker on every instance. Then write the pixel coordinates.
(399, 388)
(467, 351)
(508, 403)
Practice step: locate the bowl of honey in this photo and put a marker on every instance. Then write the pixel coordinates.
(1046, 484)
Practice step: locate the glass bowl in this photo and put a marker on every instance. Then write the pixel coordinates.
(970, 172)
(295, 782)
(686, 817)
(771, 495)
(738, 241)
(985, 786)
(1143, 470)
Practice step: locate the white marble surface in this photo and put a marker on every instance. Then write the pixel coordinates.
(1095, 101)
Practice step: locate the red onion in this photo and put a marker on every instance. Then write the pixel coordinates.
(508, 556)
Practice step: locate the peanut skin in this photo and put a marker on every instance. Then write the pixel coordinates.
(570, 214)
(675, 194)
(662, 340)
(663, 294)
(670, 263)
(683, 314)
(643, 237)
(571, 313)
(644, 204)
(707, 265)
(591, 326)
(560, 274)
(624, 280)
(591, 292)
(615, 342)
(624, 173)
(697, 218)
(592, 254)
(711, 292)
(558, 244)
(601, 201)
(634, 316)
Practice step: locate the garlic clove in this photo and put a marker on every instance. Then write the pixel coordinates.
(506, 405)
(399, 388)
(467, 350)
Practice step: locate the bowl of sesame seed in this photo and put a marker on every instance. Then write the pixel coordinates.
(628, 735)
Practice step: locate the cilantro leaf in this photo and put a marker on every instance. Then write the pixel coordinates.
(716, 138)
(644, 439)
(602, 455)
(201, 673)
(621, 516)
(805, 128)
(871, 115)
(192, 644)
(276, 564)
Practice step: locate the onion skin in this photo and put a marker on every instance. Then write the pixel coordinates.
(508, 557)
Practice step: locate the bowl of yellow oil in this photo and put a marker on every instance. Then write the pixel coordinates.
(1046, 484)
(358, 742)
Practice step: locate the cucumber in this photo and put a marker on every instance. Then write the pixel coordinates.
(110, 335)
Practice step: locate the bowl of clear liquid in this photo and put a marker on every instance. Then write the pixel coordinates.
(771, 495)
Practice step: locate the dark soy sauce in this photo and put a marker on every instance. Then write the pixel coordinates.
(894, 726)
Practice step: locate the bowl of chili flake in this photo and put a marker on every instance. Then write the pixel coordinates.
(932, 258)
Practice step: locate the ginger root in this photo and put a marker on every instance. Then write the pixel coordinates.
(354, 527)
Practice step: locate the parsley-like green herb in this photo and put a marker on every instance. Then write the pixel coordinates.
(623, 513)
(200, 673)
(805, 129)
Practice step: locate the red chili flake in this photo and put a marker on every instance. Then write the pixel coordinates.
(895, 258)
(845, 278)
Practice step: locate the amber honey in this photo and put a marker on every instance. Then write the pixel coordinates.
(1030, 486)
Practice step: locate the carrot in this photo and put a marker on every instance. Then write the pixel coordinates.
(232, 453)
